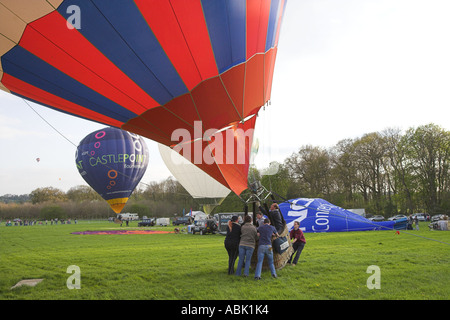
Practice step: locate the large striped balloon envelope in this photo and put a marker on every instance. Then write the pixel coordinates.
(151, 67)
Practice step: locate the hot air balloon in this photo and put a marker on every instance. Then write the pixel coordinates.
(148, 66)
(112, 161)
(201, 186)
(318, 215)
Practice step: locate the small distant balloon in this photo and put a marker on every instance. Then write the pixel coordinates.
(38, 159)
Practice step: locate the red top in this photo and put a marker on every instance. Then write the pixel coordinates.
(297, 234)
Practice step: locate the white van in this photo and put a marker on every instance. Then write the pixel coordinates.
(129, 216)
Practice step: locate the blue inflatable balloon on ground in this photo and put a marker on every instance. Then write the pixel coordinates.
(318, 215)
(112, 162)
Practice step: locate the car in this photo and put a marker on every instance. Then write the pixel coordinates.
(420, 216)
(437, 217)
(397, 217)
(204, 226)
(182, 220)
(377, 218)
(149, 222)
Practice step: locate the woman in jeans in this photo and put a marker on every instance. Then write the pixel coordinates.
(246, 246)
(265, 233)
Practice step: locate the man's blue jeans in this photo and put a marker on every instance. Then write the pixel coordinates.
(264, 250)
(245, 254)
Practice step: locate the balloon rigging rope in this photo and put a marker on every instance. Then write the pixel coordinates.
(48, 122)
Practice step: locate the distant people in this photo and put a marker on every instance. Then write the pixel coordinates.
(231, 242)
(265, 233)
(298, 242)
(416, 221)
(246, 246)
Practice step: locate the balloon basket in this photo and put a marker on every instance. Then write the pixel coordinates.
(279, 260)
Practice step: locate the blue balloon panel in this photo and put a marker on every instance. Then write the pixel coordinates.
(318, 215)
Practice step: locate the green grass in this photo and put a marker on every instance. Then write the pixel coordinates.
(184, 266)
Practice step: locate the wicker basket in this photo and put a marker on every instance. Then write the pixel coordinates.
(279, 260)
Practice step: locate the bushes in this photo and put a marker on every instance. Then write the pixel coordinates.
(52, 212)
(140, 209)
(89, 209)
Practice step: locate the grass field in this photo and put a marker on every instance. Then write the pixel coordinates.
(184, 266)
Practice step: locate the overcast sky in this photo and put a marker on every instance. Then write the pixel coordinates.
(344, 68)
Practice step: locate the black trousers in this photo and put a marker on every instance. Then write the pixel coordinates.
(298, 248)
(233, 253)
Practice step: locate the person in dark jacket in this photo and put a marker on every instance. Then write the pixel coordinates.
(276, 218)
(231, 242)
(298, 242)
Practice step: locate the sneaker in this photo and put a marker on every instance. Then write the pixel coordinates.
(257, 278)
(275, 276)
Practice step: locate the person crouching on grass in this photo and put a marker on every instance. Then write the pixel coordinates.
(298, 242)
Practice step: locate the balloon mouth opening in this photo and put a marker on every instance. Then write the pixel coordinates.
(117, 204)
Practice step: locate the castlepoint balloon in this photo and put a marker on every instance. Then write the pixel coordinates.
(112, 162)
(146, 66)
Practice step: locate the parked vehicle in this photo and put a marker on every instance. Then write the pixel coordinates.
(148, 222)
(129, 216)
(397, 217)
(162, 221)
(204, 226)
(420, 216)
(377, 218)
(183, 220)
(437, 217)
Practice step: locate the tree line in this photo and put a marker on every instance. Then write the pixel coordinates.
(386, 173)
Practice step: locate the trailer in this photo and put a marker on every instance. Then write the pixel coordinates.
(163, 221)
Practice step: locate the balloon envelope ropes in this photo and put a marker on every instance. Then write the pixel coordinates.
(318, 215)
(145, 66)
(112, 161)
